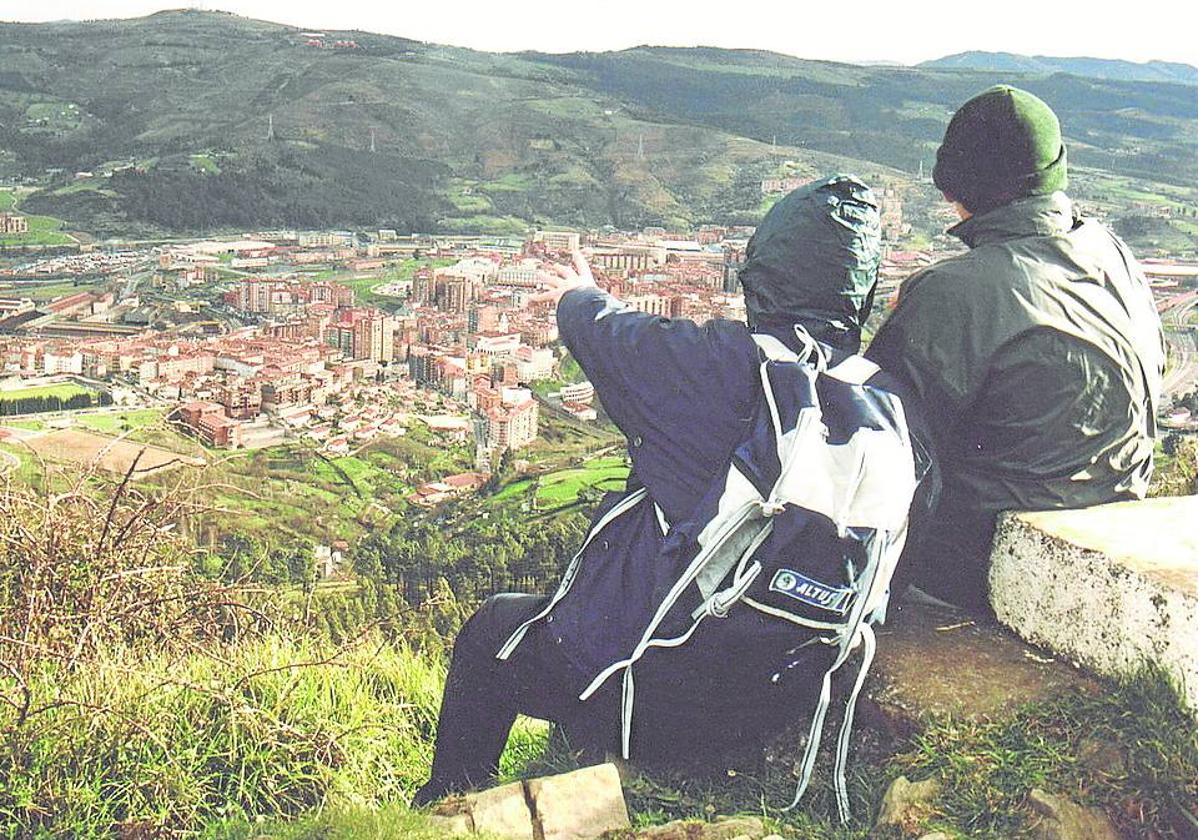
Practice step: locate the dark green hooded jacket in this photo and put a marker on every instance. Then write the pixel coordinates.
(814, 260)
(1038, 357)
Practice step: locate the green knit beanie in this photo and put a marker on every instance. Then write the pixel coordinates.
(1001, 145)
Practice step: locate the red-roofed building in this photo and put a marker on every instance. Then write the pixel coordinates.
(208, 421)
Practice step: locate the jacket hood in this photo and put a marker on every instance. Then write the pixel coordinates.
(814, 261)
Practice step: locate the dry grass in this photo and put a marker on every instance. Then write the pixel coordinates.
(113, 455)
(93, 564)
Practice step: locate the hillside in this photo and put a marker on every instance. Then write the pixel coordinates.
(198, 121)
(1098, 68)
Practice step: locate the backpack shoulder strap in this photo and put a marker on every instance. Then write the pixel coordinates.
(855, 370)
(773, 349)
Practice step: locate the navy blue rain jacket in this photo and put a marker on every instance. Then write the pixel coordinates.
(684, 395)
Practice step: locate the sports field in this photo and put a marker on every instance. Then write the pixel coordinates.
(63, 391)
(87, 449)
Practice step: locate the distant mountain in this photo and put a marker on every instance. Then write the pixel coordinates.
(199, 121)
(1096, 68)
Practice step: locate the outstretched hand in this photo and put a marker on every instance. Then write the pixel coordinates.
(559, 279)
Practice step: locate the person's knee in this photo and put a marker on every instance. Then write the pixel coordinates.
(495, 620)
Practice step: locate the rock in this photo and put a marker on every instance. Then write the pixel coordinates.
(730, 828)
(676, 830)
(579, 805)
(1060, 819)
(905, 806)
(936, 835)
(722, 828)
(1126, 572)
(452, 825)
(624, 768)
(502, 811)
(933, 661)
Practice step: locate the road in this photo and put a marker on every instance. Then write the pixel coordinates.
(1181, 376)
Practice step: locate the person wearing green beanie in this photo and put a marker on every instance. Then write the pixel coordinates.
(1037, 354)
(1001, 145)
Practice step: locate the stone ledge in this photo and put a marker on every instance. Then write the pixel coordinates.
(1109, 587)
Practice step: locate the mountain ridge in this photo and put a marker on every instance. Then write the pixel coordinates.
(199, 121)
(1114, 69)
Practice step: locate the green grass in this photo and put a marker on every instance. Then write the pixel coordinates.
(64, 391)
(85, 186)
(115, 423)
(31, 425)
(513, 490)
(363, 284)
(59, 116)
(472, 202)
(28, 472)
(1133, 751)
(485, 225)
(40, 291)
(142, 425)
(290, 492)
(563, 487)
(250, 731)
(205, 163)
(392, 822)
(511, 182)
(43, 230)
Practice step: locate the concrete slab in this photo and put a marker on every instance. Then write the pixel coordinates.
(1109, 587)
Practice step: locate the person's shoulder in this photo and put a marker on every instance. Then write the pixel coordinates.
(729, 344)
(725, 329)
(1095, 235)
(943, 277)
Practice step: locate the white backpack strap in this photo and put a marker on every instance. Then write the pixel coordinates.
(855, 370)
(812, 351)
(773, 349)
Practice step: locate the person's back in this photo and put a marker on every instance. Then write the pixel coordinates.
(685, 395)
(1038, 358)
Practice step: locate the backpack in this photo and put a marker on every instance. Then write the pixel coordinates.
(806, 527)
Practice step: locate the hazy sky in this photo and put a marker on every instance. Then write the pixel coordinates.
(852, 30)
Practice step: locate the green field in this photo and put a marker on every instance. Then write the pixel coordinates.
(43, 230)
(485, 225)
(292, 491)
(362, 284)
(141, 425)
(42, 291)
(205, 163)
(53, 116)
(564, 486)
(63, 391)
(512, 182)
(29, 469)
(30, 425)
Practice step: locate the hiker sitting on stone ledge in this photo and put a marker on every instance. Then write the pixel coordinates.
(1037, 356)
(686, 397)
